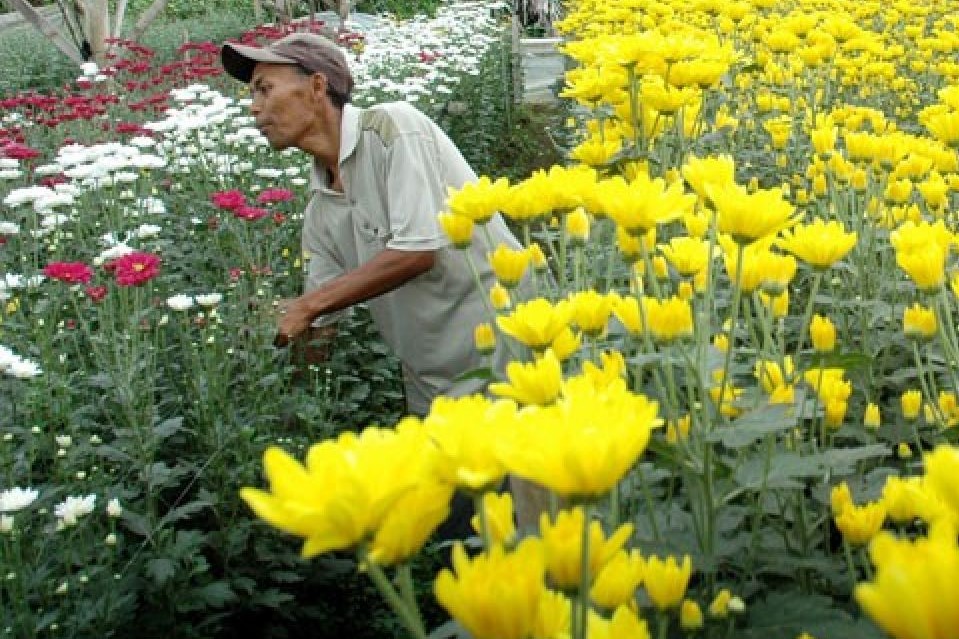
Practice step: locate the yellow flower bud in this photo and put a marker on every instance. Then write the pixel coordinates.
(919, 322)
(577, 226)
(903, 451)
(719, 607)
(459, 228)
(911, 402)
(484, 338)
(823, 334)
(536, 257)
(690, 615)
(499, 297)
(872, 417)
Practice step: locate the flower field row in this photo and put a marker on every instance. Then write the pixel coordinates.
(734, 387)
(146, 232)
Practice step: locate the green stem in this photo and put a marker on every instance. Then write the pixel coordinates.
(409, 618)
(582, 630)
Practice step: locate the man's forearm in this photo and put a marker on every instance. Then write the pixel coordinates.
(387, 271)
(390, 269)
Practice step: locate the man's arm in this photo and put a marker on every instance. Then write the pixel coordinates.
(388, 270)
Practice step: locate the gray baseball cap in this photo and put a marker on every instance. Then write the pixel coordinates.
(311, 51)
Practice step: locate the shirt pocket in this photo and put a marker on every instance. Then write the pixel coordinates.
(372, 235)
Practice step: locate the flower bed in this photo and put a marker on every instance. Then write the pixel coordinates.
(733, 401)
(146, 233)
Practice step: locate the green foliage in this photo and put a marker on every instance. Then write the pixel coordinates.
(402, 9)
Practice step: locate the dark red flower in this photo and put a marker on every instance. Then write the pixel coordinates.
(96, 293)
(230, 200)
(69, 272)
(250, 213)
(270, 196)
(134, 269)
(18, 151)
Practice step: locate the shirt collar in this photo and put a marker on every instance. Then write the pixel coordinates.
(349, 137)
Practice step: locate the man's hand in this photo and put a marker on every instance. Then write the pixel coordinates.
(293, 317)
(387, 270)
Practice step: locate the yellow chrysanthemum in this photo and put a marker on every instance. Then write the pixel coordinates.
(688, 255)
(495, 595)
(347, 487)
(500, 525)
(591, 311)
(464, 431)
(913, 593)
(748, 217)
(666, 580)
(594, 436)
(819, 244)
(509, 265)
(535, 383)
(859, 524)
(617, 581)
(640, 205)
(563, 546)
(478, 200)
(536, 323)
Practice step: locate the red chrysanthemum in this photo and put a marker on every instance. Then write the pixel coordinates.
(271, 196)
(96, 293)
(230, 200)
(250, 212)
(134, 269)
(69, 272)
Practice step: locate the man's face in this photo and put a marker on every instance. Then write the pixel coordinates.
(284, 103)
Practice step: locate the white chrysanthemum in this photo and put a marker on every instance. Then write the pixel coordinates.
(111, 254)
(147, 230)
(89, 69)
(114, 509)
(9, 163)
(267, 172)
(16, 498)
(54, 220)
(6, 523)
(24, 369)
(209, 299)
(180, 302)
(16, 197)
(142, 141)
(47, 202)
(72, 508)
(9, 228)
(152, 205)
(63, 441)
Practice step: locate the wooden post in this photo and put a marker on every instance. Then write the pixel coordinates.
(96, 28)
(45, 27)
(152, 13)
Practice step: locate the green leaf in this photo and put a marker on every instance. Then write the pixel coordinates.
(784, 469)
(216, 594)
(842, 461)
(485, 374)
(184, 511)
(788, 614)
(754, 425)
(161, 569)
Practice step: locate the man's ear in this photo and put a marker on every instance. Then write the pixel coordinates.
(319, 83)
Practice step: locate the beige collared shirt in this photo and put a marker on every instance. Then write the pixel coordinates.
(395, 165)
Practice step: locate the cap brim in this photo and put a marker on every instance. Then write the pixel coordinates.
(239, 59)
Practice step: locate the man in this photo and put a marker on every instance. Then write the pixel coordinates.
(380, 177)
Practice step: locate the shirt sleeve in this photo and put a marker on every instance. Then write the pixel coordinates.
(416, 194)
(322, 264)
